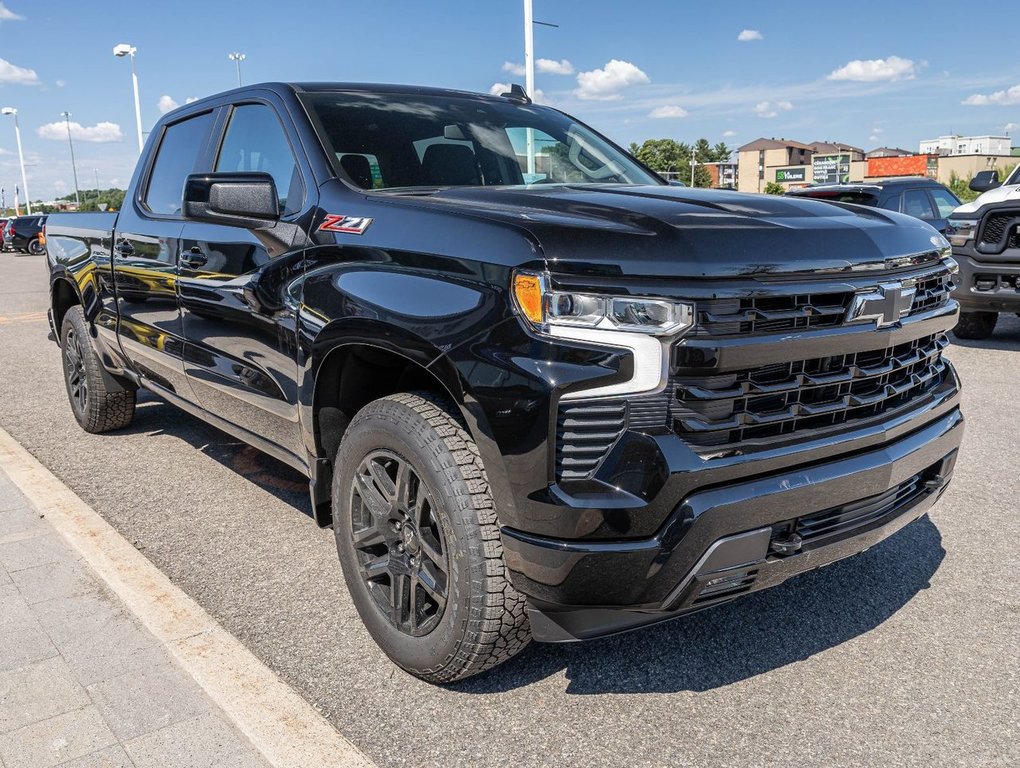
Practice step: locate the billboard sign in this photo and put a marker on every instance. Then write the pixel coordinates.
(830, 169)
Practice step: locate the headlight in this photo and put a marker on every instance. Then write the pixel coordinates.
(544, 307)
(960, 231)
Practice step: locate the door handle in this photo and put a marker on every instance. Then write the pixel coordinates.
(194, 258)
(124, 249)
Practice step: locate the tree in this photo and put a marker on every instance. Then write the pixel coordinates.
(673, 159)
(774, 188)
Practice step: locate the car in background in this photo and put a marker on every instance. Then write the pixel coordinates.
(25, 233)
(921, 198)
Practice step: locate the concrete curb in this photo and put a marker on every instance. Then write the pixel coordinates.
(281, 725)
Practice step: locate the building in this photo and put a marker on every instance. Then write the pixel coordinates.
(830, 148)
(724, 175)
(756, 158)
(966, 145)
(887, 152)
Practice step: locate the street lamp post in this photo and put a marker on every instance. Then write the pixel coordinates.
(120, 51)
(74, 168)
(21, 156)
(529, 78)
(96, 172)
(237, 58)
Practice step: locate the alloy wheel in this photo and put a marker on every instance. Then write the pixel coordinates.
(74, 370)
(402, 553)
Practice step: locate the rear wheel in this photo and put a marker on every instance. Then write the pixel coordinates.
(96, 408)
(416, 532)
(35, 247)
(976, 325)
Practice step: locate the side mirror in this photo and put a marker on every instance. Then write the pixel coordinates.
(985, 180)
(236, 199)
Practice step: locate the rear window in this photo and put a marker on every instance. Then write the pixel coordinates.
(857, 198)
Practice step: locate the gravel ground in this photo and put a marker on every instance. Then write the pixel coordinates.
(905, 655)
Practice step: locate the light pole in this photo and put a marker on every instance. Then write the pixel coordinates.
(120, 51)
(694, 165)
(237, 58)
(529, 78)
(74, 168)
(21, 155)
(96, 172)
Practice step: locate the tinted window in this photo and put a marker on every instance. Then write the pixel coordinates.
(256, 141)
(945, 201)
(916, 203)
(892, 203)
(178, 152)
(425, 140)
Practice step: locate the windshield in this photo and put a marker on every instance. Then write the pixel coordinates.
(1014, 178)
(395, 141)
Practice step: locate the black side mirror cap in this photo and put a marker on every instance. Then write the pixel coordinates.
(246, 200)
(985, 180)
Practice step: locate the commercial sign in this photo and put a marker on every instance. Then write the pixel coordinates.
(830, 169)
(791, 174)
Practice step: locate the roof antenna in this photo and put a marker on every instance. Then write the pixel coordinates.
(517, 93)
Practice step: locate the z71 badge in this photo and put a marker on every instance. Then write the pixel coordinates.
(352, 225)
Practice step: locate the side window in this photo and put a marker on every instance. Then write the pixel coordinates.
(945, 203)
(892, 203)
(256, 141)
(175, 159)
(916, 203)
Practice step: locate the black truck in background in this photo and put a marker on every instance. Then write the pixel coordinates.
(985, 235)
(538, 392)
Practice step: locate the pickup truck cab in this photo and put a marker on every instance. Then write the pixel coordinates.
(537, 391)
(985, 235)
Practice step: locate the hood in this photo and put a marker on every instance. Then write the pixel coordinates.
(997, 195)
(659, 231)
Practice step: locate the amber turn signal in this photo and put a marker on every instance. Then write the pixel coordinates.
(528, 292)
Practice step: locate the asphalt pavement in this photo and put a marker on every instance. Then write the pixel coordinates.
(905, 655)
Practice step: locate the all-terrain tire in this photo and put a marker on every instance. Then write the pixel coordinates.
(484, 622)
(95, 407)
(976, 325)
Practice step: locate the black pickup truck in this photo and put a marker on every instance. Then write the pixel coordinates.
(538, 392)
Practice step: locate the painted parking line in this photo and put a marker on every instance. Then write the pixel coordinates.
(281, 725)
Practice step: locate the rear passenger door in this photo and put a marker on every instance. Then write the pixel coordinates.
(239, 313)
(145, 257)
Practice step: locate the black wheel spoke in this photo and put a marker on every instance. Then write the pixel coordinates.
(433, 554)
(399, 595)
(376, 568)
(368, 537)
(372, 498)
(432, 585)
(387, 488)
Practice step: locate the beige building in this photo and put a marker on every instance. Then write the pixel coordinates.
(757, 161)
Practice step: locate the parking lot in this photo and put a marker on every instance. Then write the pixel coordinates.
(905, 655)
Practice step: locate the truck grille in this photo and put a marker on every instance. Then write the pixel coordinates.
(808, 311)
(999, 232)
(785, 398)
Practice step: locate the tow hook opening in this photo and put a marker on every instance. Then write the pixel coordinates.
(785, 544)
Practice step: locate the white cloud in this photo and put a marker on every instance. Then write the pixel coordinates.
(190, 99)
(668, 111)
(874, 137)
(729, 134)
(513, 69)
(607, 83)
(60, 83)
(1010, 127)
(1006, 98)
(748, 35)
(876, 70)
(772, 108)
(497, 89)
(99, 133)
(6, 14)
(553, 67)
(12, 73)
(166, 104)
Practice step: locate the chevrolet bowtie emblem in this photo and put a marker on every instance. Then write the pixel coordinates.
(885, 304)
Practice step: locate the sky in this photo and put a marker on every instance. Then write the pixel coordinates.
(868, 74)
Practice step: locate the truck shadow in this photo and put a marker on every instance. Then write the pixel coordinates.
(763, 631)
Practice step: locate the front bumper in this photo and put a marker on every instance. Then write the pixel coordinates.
(730, 540)
(986, 286)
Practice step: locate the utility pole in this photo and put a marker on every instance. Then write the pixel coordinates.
(693, 166)
(74, 168)
(529, 77)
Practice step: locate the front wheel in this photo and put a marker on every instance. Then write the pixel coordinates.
(96, 408)
(416, 532)
(975, 325)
